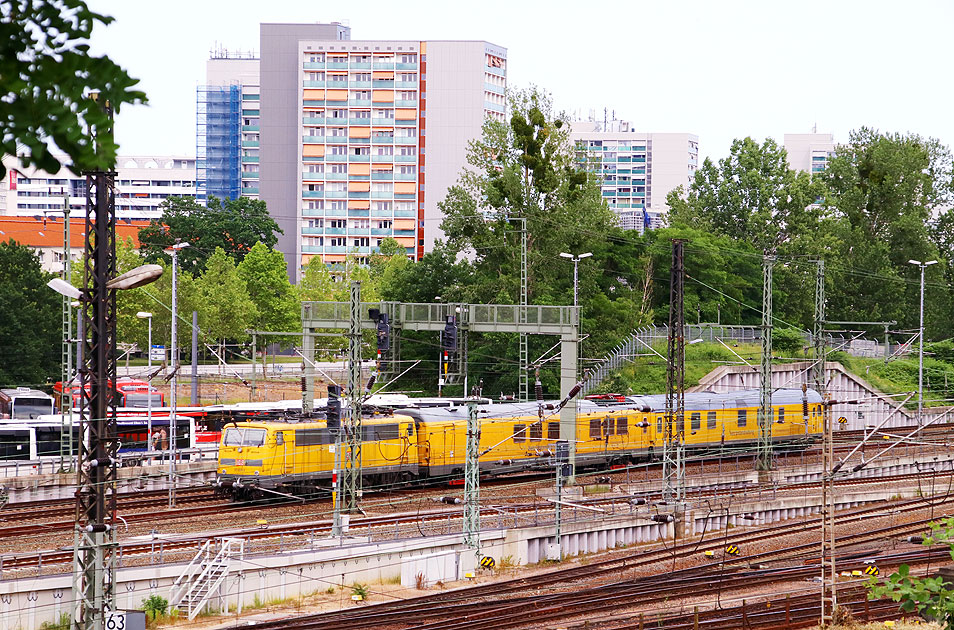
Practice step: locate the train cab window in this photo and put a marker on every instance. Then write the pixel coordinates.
(742, 418)
(781, 414)
(711, 420)
(519, 433)
(244, 437)
(279, 438)
(596, 425)
(609, 426)
(553, 430)
(536, 431)
(312, 437)
(695, 421)
(622, 426)
(659, 424)
(384, 432)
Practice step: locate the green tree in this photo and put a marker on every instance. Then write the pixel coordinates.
(227, 309)
(752, 196)
(46, 74)
(235, 225)
(884, 190)
(29, 320)
(929, 596)
(276, 302)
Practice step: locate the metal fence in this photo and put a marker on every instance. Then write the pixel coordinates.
(645, 340)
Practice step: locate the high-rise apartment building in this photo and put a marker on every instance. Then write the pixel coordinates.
(142, 184)
(354, 141)
(636, 170)
(227, 127)
(809, 151)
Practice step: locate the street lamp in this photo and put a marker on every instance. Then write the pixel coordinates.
(148, 316)
(576, 262)
(174, 251)
(922, 265)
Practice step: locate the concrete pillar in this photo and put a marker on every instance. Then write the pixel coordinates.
(308, 349)
(568, 368)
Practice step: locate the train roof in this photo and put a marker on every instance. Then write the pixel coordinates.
(312, 423)
(695, 401)
(13, 392)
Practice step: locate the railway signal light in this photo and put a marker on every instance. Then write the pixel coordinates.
(449, 336)
(384, 330)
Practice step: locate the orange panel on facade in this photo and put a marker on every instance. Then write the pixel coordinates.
(405, 114)
(305, 259)
(356, 168)
(382, 168)
(404, 187)
(313, 150)
(382, 74)
(336, 95)
(406, 241)
(382, 96)
(359, 132)
(359, 186)
(334, 257)
(359, 204)
(314, 95)
(404, 224)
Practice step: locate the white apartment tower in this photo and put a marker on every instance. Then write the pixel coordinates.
(636, 169)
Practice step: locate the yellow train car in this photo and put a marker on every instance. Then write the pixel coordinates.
(274, 457)
(609, 432)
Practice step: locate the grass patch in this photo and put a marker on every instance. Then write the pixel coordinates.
(598, 488)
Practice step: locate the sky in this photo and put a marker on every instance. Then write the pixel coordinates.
(719, 69)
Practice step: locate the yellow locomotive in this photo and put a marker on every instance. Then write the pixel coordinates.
(430, 443)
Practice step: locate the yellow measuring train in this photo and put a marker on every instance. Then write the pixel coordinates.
(257, 459)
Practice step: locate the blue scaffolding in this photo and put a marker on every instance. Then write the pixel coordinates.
(218, 141)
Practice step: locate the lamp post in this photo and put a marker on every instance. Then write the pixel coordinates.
(174, 357)
(148, 316)
(922, 265)
(576, 265)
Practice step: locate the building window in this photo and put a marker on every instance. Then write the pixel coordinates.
(361, 224)
(406, 58)
(407, 169)
(362, 114)
(337, 149)
(384, 113)
(338, 113)
(361, 95)
(315, 223)
(338, 224)
(384, 150)
(362, 242)
(360, 76)
(338, 242)
(408, 150)
(337, 132)
(381, 205)
(407, 95)
(384, 225)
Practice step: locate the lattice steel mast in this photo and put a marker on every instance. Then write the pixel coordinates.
(352, 469)
(766, 414)
(829, 575)
(524, 348)
(66, 357)
(95, 536)
(472, 480)
(673, 464)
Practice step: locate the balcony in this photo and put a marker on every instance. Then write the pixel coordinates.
(405, 158)
(312, 194)
(382, 121)
(358, 212)
(382, 194)
(311, 120)
(382, 213)
(360, 122)
(403, 103)
(360, 102)
(249, 175)
(336, 177)
(405, 177)
(359, 140)
(337, 66)
(358, 195)
(312, 230)
(383, 66)
(314, 65)
(380, 231)
(309, 83)
(360, 65)
(336, 194)
(387, 84)
(360, 84)
(313, 103)
(382, 139)
(313, 139)
(250, 143)
(248, 190)
(406, 213)
(406, 84)
(359, 178)
(312, 212)
(405, 66)
(382, 158)
(249, 159)
(405, 140)
(312, 176)
(385, 177)
(311, 249)
(250, 128)
(359, 158)
(334, 231)
(406, 123)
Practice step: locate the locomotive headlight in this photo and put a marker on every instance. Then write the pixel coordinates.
(224, 471)
(256, 473)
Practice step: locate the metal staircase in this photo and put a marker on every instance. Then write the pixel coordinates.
(200, 581)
